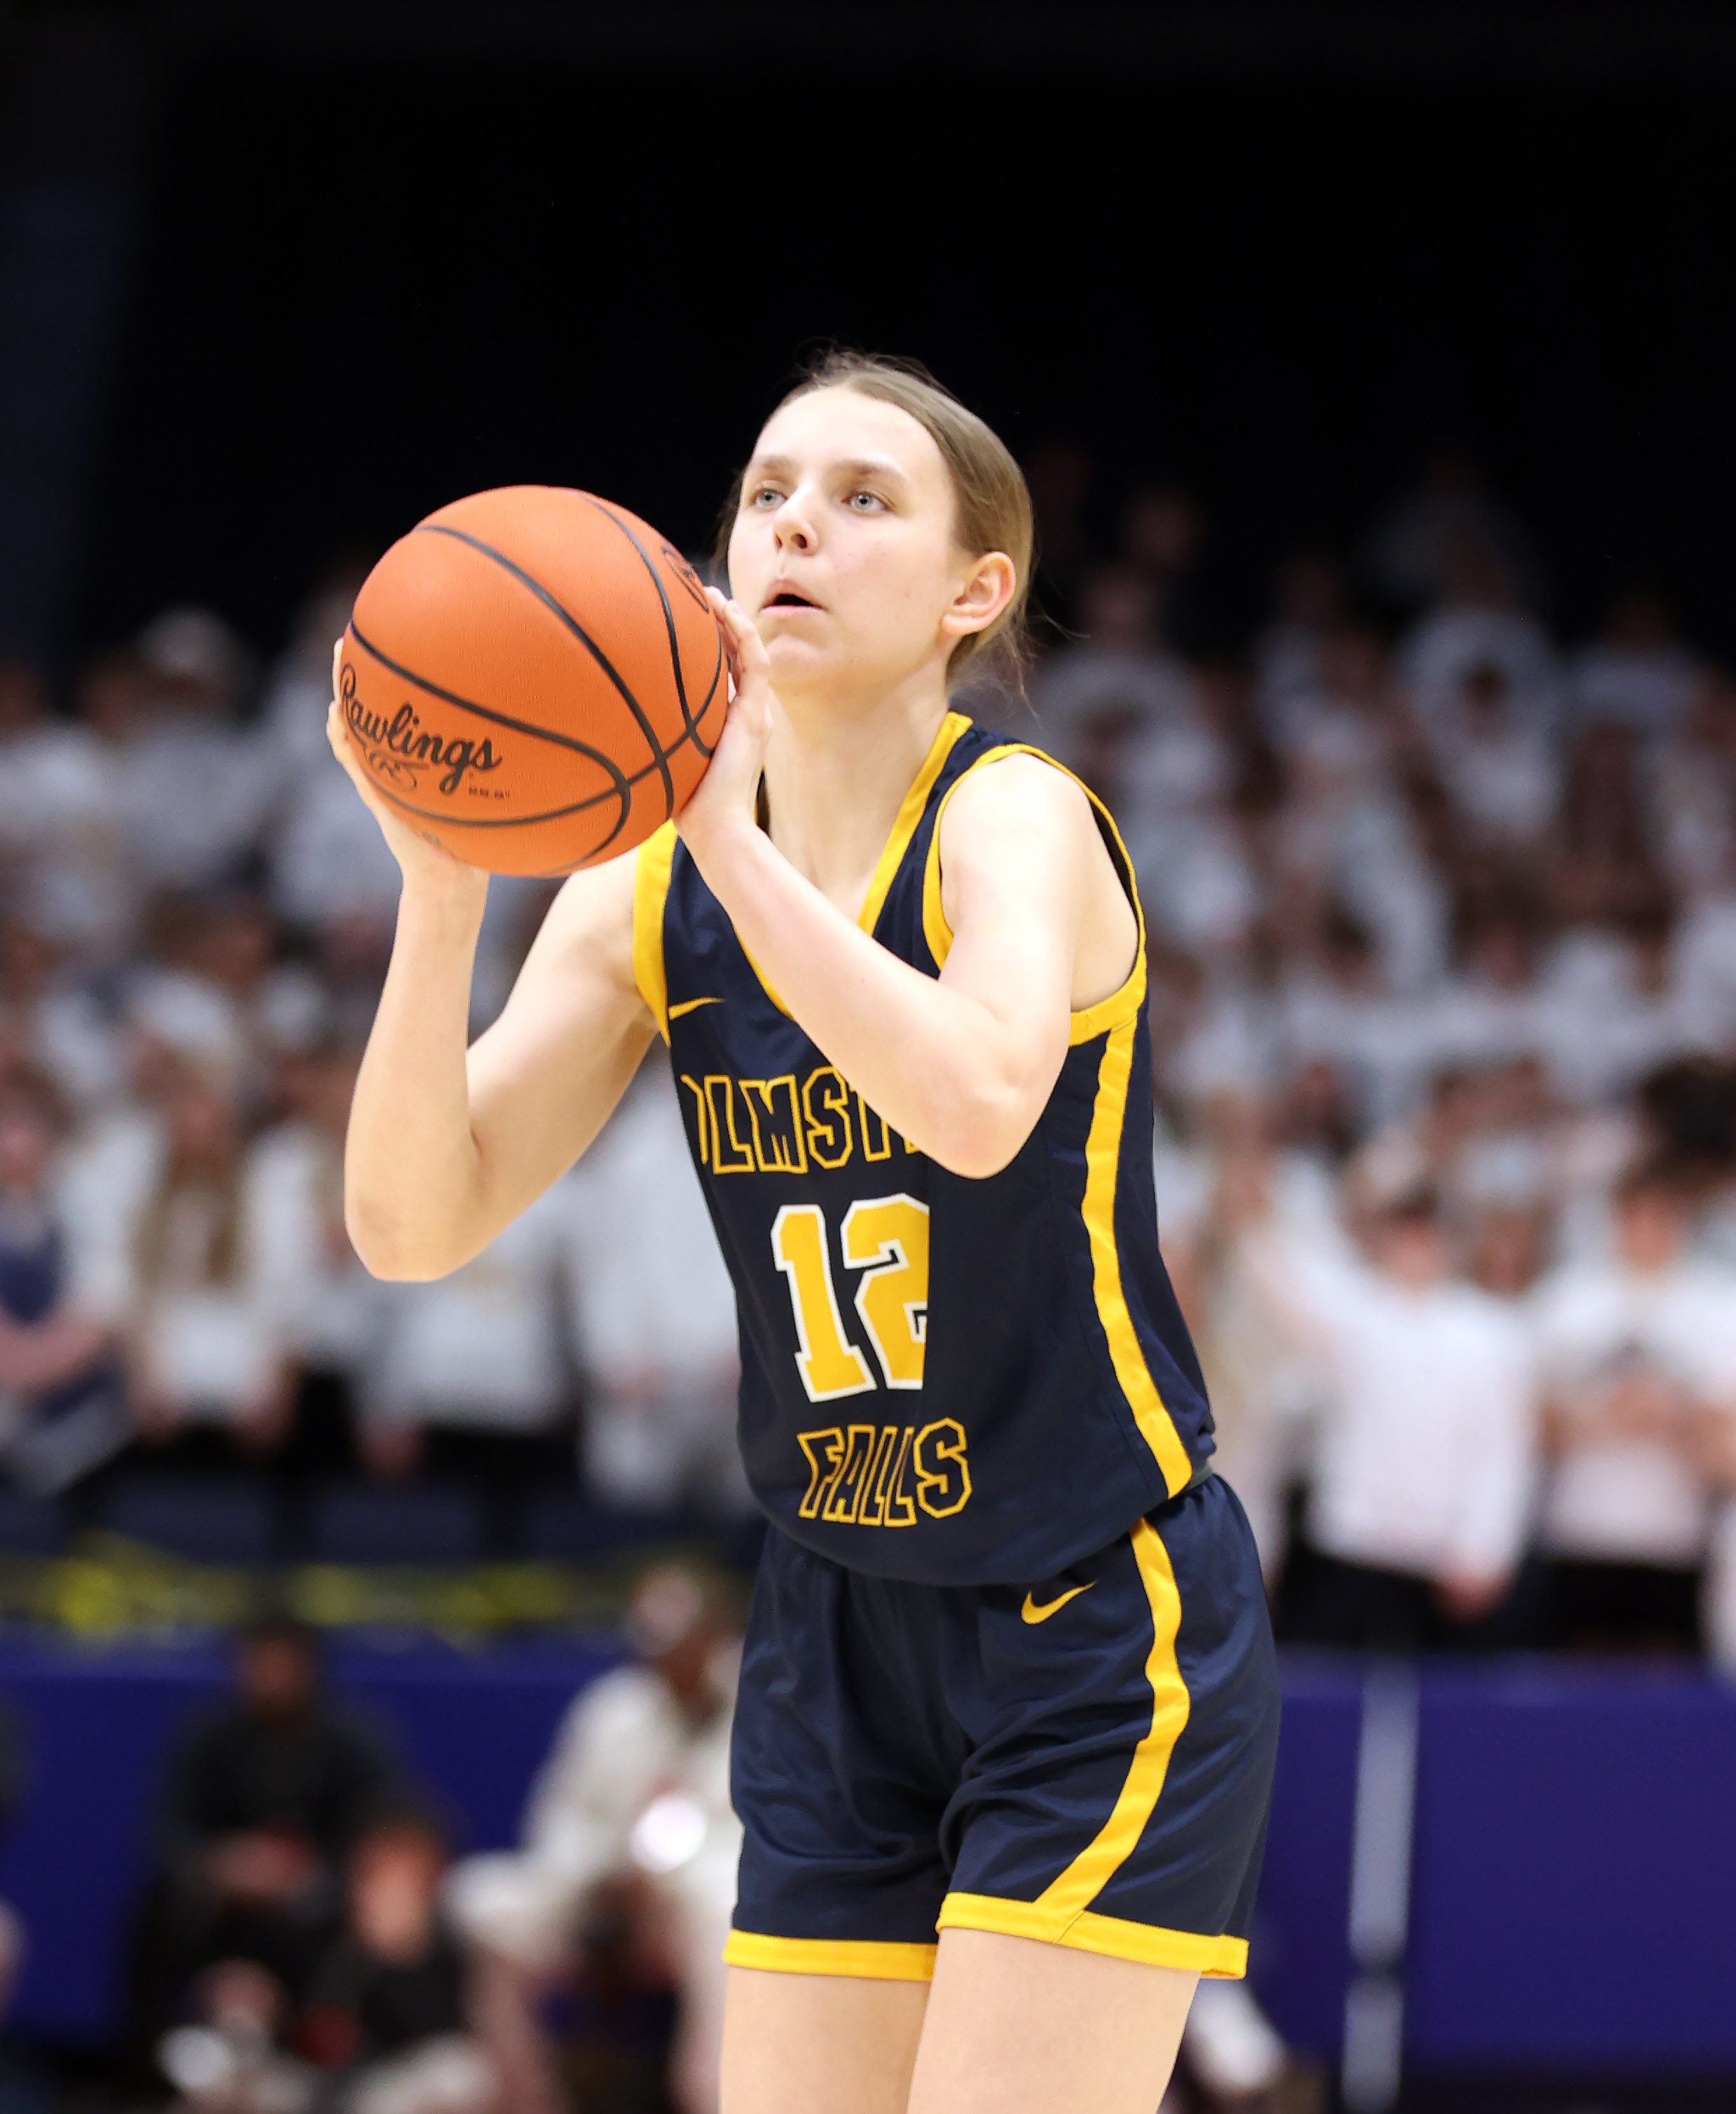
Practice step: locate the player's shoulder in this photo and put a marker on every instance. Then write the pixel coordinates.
(1014, 787)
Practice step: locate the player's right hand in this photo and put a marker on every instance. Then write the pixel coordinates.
(422, 862)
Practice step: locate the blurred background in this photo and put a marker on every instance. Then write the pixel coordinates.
(365, 1651)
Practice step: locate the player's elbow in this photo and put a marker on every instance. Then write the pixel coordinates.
(983, 1132)
(391, 1248)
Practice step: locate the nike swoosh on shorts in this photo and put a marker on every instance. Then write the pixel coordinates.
(1032, 1614)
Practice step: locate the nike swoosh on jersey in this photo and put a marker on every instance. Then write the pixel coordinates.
(691, 1005)
(1032, 1614)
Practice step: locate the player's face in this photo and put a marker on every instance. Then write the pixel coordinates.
(843, 549)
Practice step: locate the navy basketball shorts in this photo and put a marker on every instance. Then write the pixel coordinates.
(1086, 1759)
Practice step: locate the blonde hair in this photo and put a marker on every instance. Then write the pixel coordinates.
(993, 504)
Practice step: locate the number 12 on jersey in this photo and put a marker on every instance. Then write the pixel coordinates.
(887, 1239)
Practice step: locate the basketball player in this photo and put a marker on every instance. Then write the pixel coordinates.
(1008, 1683)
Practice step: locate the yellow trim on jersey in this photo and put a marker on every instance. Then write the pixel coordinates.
(1103, 1164)
(650, 893)
(1224, 1958)
(897, 844)
(908, 815)
(1122, 1003)
(873, 1961)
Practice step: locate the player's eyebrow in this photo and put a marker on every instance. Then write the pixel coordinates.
(882, 467)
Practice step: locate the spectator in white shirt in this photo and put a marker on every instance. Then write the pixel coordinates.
(469, 1373)
(1422, 1469)
(631, 1810)
(194, 787)
(654, 1314)
(1638, 674)
(1637, 1353)
(54, 1021)
(62, 1412)
(209, 1341)
(61, 857)
(332, 1310)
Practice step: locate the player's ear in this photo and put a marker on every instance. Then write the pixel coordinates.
(984, 592)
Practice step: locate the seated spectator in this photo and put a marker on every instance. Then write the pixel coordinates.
(467, 1376)
(632, 1805)
(1487, 1013)
(53, 1020)
(1636, 674)
(387, 2009)
(1498, 765)
(1340, 1012)
(1478, 622)
(61, 854)
(1422, 1471)
(217, 992)
(194, 786)
(209, 1341)
(1691, 793)
(332, 1309)
(263, 1798)
(1637, 1354)
(654, 1315)
(1601, 863)
(62, 1412)
(1119, 663)
(1262, 1391)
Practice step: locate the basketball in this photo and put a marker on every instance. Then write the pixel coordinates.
(534, 676)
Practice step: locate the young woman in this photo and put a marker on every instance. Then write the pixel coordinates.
(1008, 1676)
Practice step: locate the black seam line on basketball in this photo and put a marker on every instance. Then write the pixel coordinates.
(623, 785)
(669, 625)
(510, 822)
(536, 587)
(524, 821)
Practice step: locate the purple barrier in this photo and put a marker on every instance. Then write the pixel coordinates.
(96, 1724)
(1573, 1859)
(1573, 1895)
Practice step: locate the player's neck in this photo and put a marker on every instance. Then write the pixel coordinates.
(837, 774)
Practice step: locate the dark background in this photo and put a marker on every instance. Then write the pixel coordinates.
(385, 256)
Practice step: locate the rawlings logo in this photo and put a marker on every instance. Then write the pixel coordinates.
(395, 746)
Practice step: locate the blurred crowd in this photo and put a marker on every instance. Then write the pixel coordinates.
(1442, 943)
(309, 1945)
(197, 917)
(1442, 940)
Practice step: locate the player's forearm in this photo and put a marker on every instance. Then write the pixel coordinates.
(934, 1063)
(411, 1169)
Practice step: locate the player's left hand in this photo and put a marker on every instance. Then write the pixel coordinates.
(726, 796)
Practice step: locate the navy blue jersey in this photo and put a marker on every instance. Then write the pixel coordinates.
(953, 1380)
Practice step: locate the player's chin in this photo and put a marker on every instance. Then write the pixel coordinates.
(793, 654)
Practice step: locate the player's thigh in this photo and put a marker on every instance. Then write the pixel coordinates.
(1017, 2026)
(818, 2043)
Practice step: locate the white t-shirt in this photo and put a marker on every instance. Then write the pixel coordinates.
(482, 1348)
(623, 1743)
(1637, 1499)
(1425, 1458)
(654, 1310)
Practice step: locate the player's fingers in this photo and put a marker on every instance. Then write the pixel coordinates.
(344, 750)
(337, 664)
(755, 660)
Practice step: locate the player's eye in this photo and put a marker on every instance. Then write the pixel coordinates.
(866, 502)
(764, 496)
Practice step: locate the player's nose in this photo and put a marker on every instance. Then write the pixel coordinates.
(792, 524)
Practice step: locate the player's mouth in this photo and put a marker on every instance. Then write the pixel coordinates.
(786, 598)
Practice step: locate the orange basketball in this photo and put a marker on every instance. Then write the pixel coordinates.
(535, 676)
